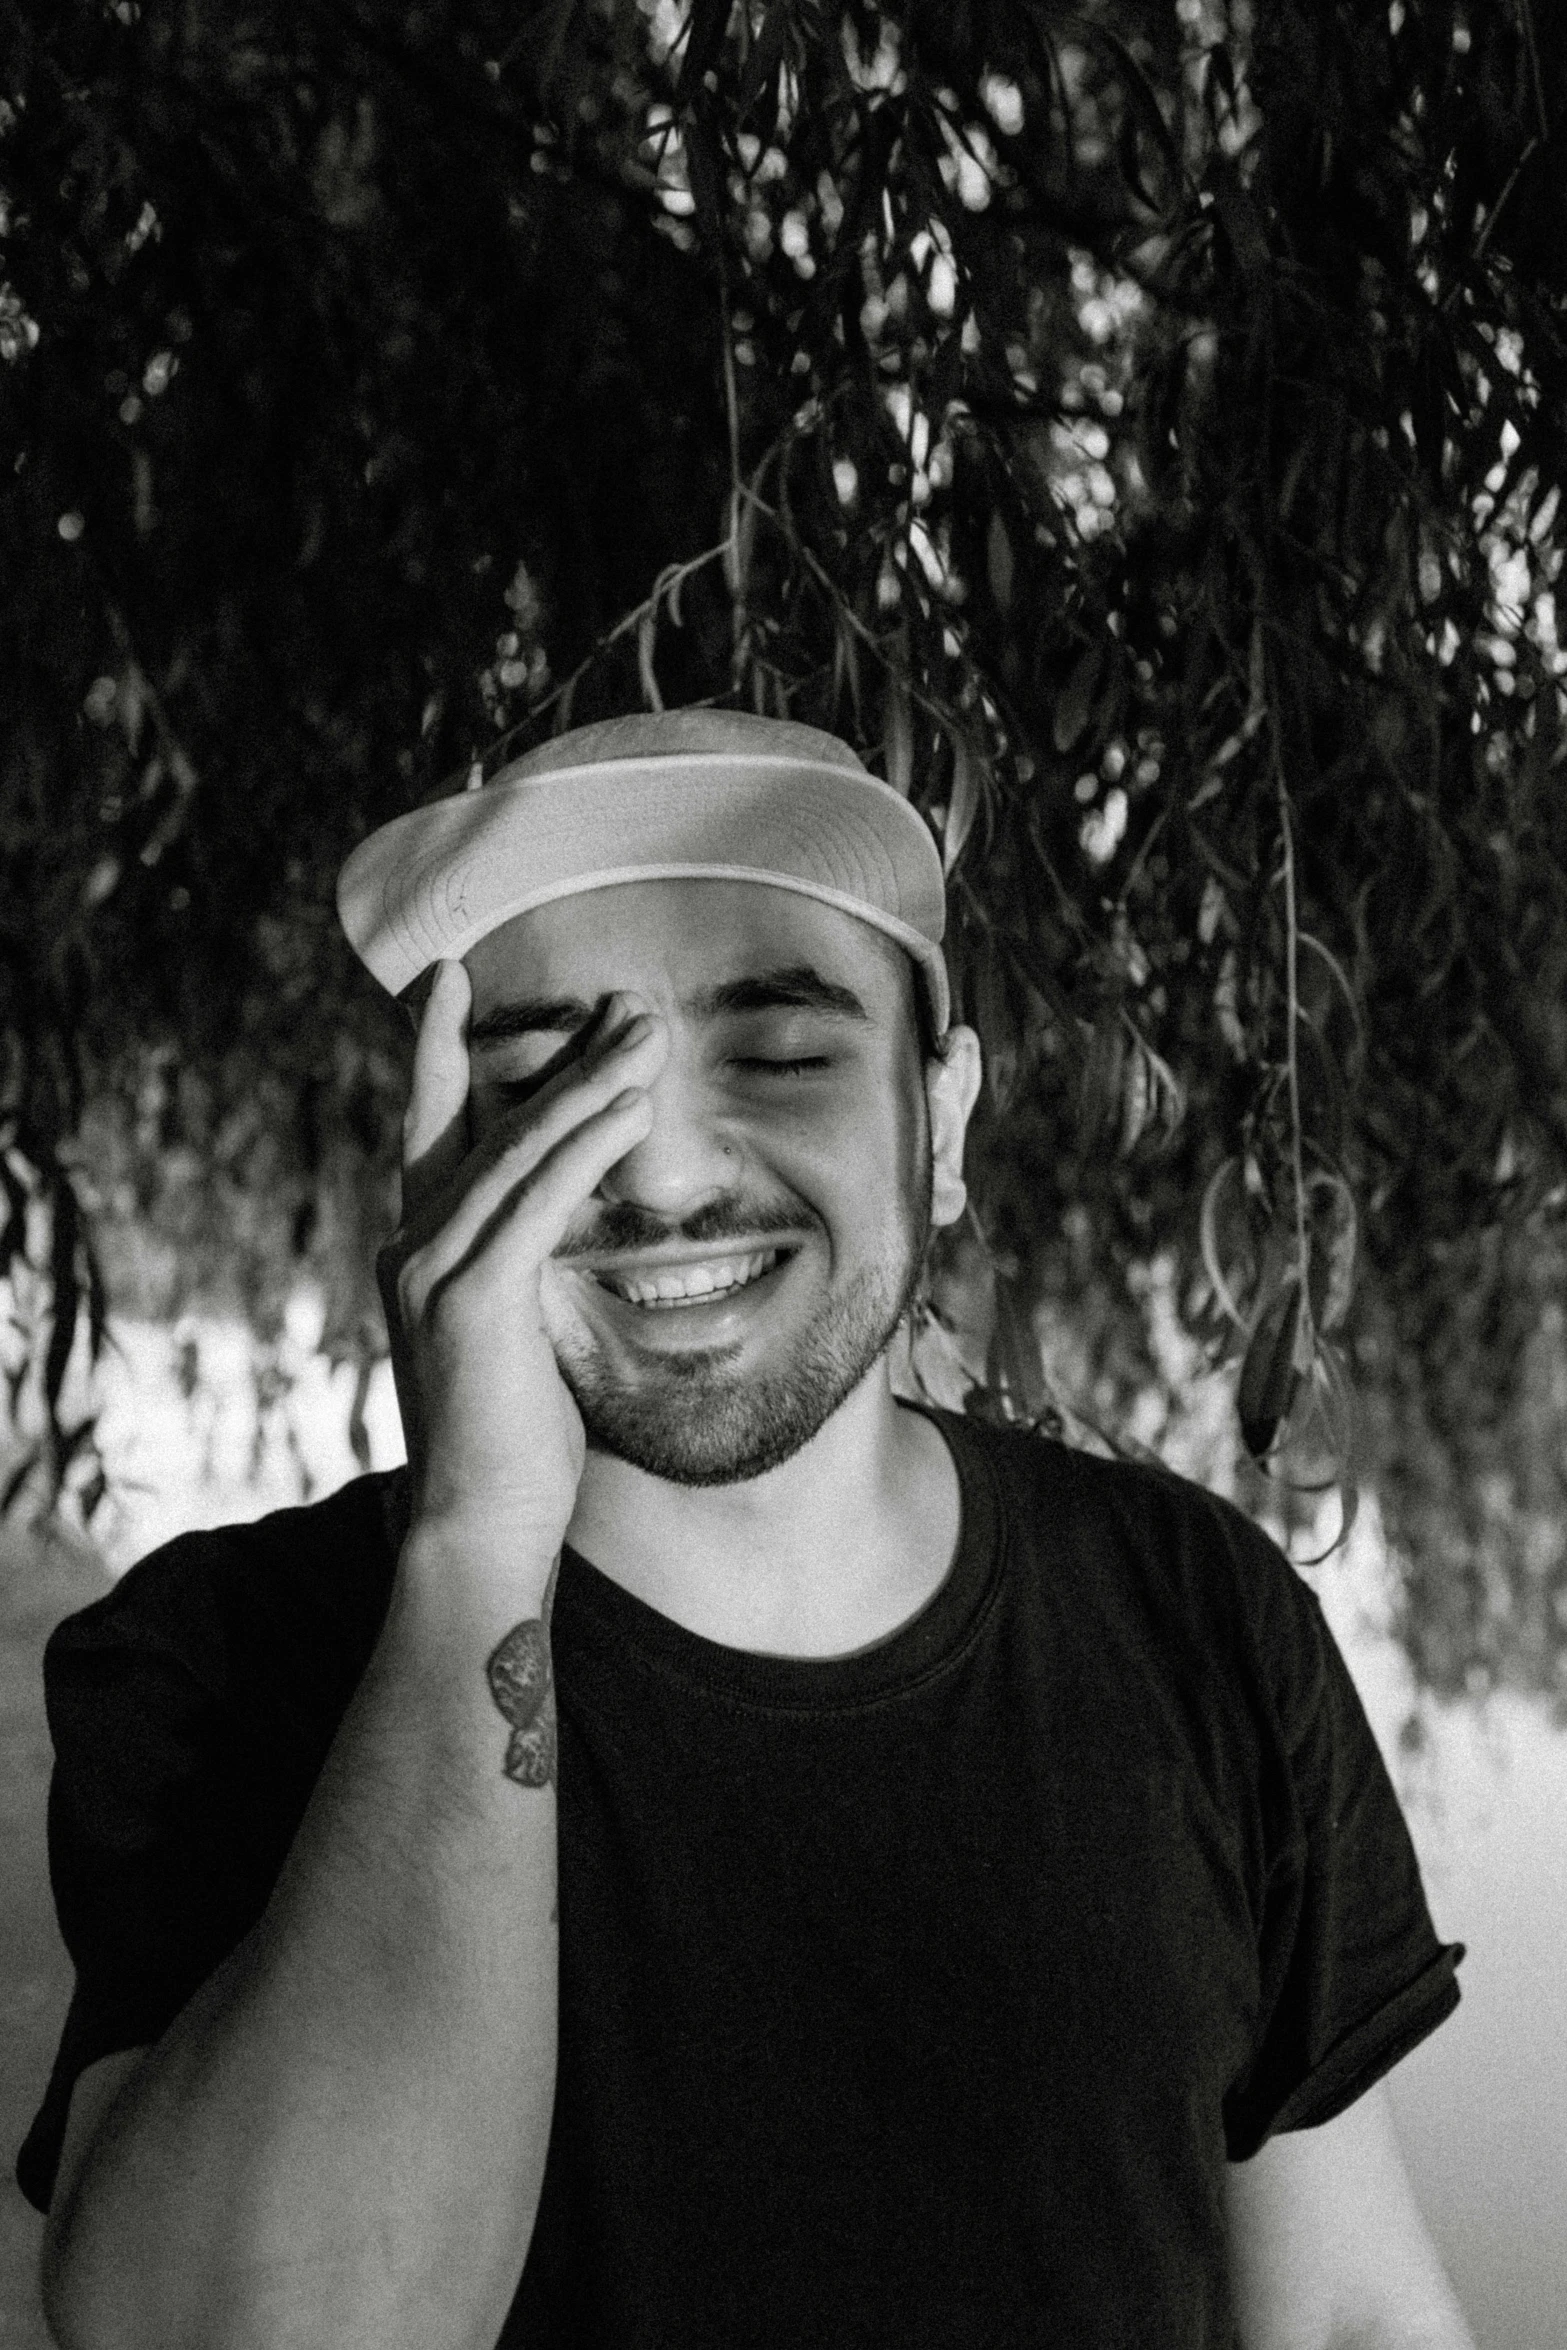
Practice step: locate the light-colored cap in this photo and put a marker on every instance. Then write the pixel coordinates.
(674, 795)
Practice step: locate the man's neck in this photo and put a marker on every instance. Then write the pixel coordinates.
(828, 1553)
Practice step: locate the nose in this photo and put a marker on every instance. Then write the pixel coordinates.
(684, 1160)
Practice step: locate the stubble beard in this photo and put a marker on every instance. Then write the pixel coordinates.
(696, 1423)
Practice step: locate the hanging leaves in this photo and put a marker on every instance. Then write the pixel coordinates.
(800, 363)
(65, 1233)
(739, 549)
(1270, 1371)
(647, 637)
(1333, 1238)
(964, 804)
(1075, 700)
(1000, 565)
(1104, 1071)
(705, 28)
(897, 734)
(1015, 1371)
(761, 71)
(1129, 1094)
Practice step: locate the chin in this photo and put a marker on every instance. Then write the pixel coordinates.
(698, 1421)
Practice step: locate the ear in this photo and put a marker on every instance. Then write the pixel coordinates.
(951, 1090)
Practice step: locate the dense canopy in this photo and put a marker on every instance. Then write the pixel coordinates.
(1138, 427)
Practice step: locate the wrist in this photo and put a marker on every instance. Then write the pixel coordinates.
(455, 1573)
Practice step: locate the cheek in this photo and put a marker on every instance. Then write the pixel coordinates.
(851, 1153)
(561, 1310)
(892, 1128)
(911, 1142)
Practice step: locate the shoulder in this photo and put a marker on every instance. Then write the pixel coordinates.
(222, 1661)
(312, 1581)
(1140, 1502)
(1137, 1536)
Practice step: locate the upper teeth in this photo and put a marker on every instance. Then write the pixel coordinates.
(676, 1284)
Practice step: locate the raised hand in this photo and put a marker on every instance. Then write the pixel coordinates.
(495, 1442)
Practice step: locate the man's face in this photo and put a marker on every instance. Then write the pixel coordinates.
(736, 1275)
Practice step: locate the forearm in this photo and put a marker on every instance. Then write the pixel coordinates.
(341, 2139)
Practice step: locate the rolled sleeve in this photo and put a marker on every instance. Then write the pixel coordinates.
(1352, 1972)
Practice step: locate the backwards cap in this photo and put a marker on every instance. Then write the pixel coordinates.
(674, 795)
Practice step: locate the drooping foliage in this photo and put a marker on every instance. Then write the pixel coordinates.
(1138, 427)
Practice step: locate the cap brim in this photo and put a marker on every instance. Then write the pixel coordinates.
(431, 884)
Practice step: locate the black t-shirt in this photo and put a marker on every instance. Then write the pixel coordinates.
(907, 1998)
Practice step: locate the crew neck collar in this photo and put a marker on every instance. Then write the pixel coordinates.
(593, 1613)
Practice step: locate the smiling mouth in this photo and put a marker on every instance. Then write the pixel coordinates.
(692, 1285)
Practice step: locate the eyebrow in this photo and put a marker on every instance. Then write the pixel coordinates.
(799, 987)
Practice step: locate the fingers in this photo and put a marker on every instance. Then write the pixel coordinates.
(610, 1026)
(530, 1217)
(626, 1047)
(626, 1061)
(435, 1125)
(527, 1227)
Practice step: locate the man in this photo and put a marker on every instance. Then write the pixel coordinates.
(715, 1855)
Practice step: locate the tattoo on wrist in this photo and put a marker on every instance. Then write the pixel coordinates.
(523, 1686)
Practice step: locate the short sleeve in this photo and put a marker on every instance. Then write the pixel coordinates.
(191, 1709)
(131, 1686)
(1352, 1972)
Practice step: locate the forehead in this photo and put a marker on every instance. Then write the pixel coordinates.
(670, 940)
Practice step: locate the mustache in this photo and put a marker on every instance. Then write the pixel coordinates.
(622, 1227)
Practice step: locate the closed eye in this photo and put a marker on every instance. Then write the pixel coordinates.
(518, 1089)
(786, 1068)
